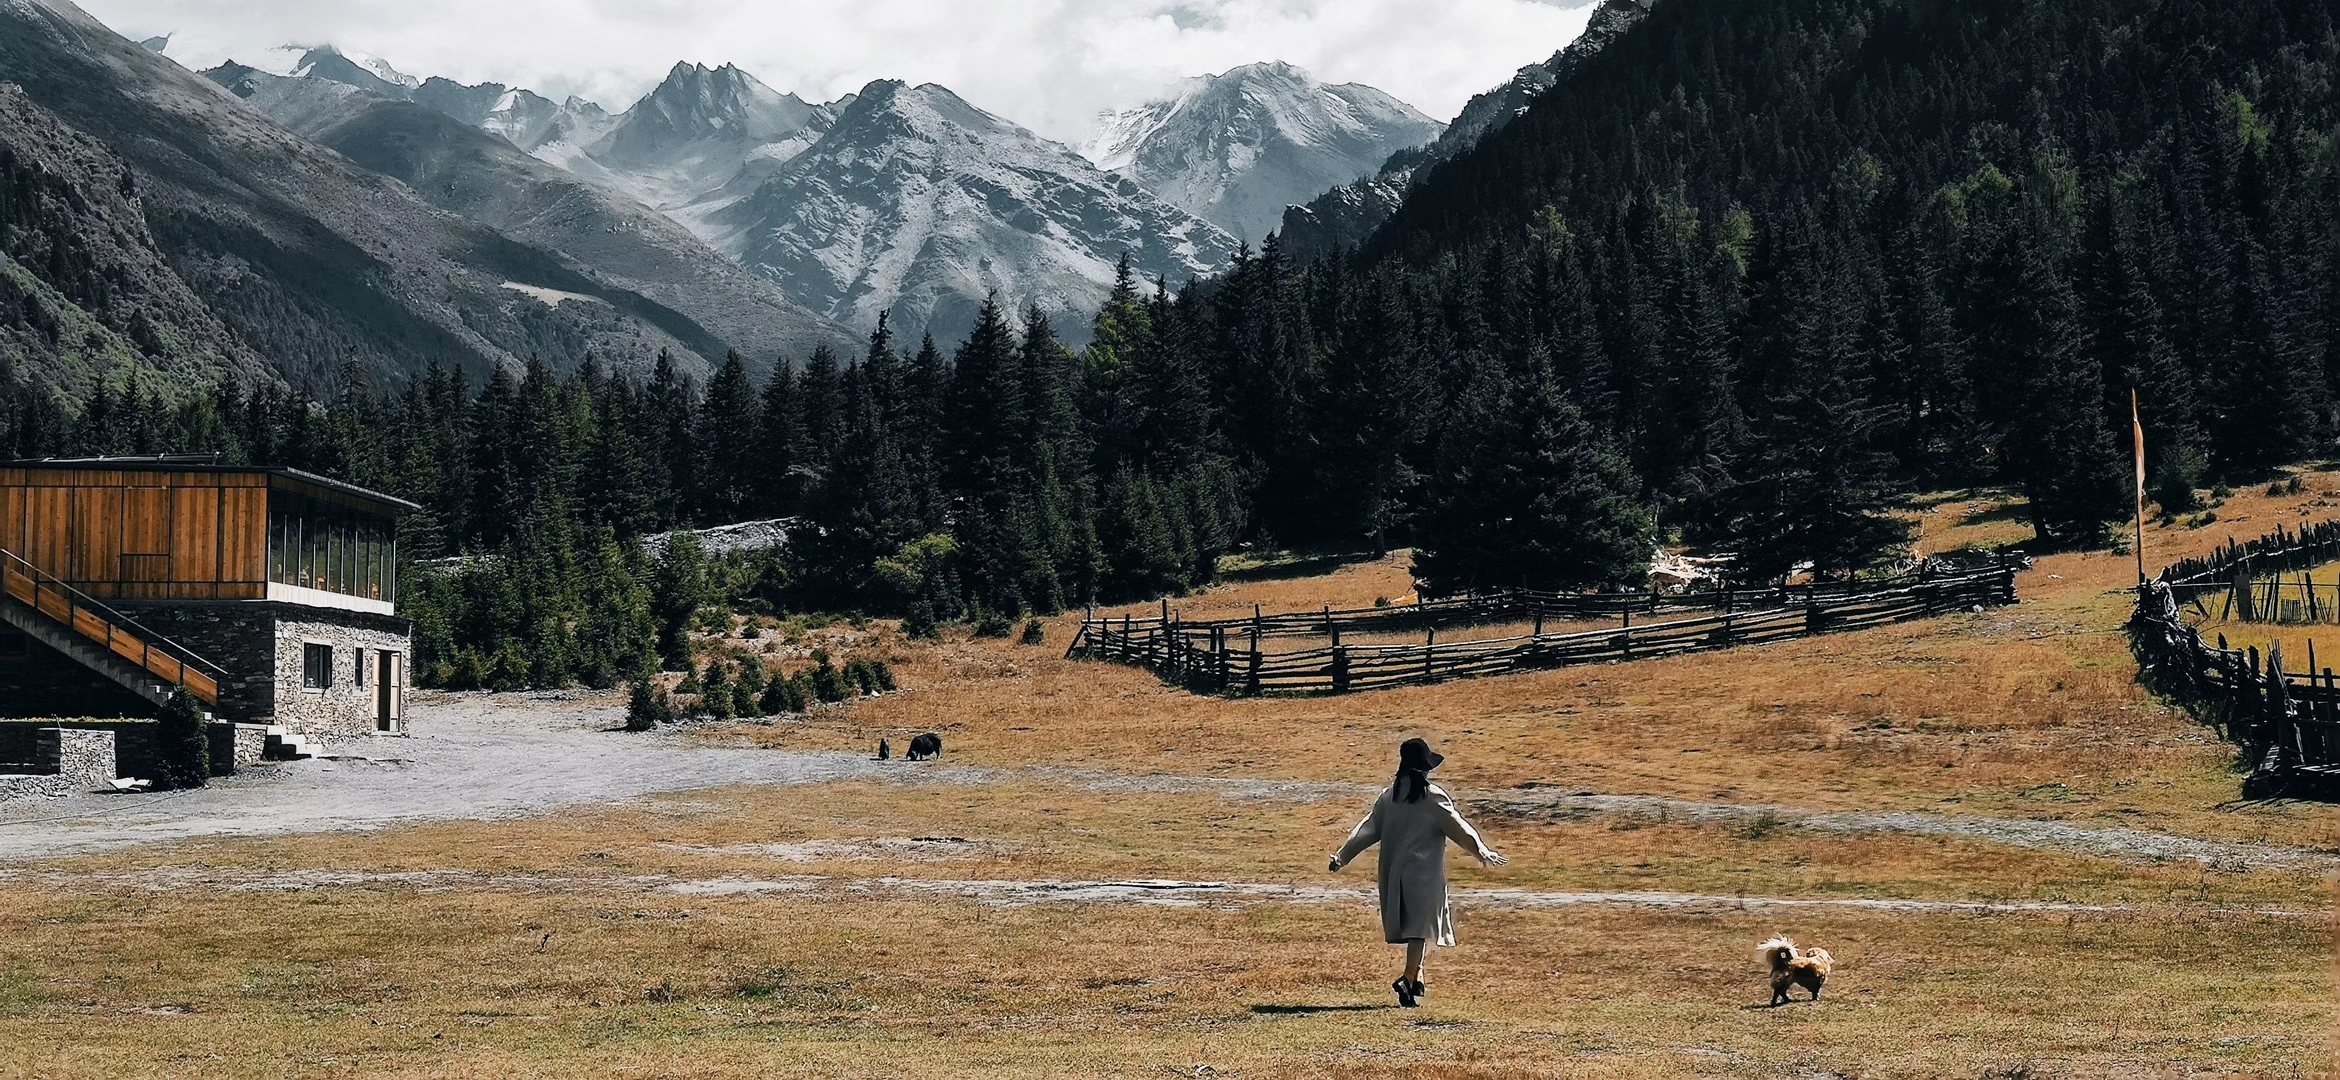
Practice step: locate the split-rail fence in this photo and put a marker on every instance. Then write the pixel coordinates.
(2285, 722)
(1226, 656)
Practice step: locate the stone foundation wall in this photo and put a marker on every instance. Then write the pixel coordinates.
(136, 744)
(261, 646)
(238, 636)
(237, 746)
(348, 708)
(72, 761)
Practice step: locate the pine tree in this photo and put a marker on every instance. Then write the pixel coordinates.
(1531, 496)
(726, 439)
(1812, 485)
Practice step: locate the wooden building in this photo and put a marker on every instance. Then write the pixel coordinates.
(268, 593)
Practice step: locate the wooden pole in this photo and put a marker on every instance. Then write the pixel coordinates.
(2137, 428)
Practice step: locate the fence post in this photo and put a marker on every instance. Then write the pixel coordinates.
(1429, 656)
(1340, 670)
(1251, 676)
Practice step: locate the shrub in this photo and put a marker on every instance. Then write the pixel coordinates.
(471, 672)
(748, 690)
(1034, 632)
(2175, 482)
(511, 671)
(185, 744)
(884, 673)
(828, 683)
(647, 707)
(784, 694)
(715, 691)
(992, 624)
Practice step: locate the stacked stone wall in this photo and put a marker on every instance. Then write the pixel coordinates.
(71, 761)
(349, 708)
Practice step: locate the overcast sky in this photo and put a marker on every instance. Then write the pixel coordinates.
(1048, 64)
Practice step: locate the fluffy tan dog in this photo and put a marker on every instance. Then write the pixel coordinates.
(1791, 966)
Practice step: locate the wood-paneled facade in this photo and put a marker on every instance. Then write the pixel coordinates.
(141, 534)
(165, 530)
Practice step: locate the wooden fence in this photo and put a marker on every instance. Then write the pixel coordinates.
(1226, 657)
(2286, 723)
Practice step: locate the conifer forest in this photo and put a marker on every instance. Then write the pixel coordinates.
(1745, 281)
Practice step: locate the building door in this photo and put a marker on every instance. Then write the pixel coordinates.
(389, 690)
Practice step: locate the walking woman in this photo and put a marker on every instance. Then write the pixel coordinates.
(1412, 821)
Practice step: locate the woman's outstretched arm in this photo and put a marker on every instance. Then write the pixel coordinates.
(1365, 835)
(1450, 820)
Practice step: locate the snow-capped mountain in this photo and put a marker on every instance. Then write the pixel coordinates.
(917, 202)
(1235, 149)
(1348, 214)
(357, 69)
(650, 265)
(523, 118)
(700, 129)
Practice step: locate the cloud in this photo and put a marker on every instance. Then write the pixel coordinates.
(1051, 65)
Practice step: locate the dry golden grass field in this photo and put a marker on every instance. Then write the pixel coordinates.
(2025, 866)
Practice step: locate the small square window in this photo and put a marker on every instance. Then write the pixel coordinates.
(317, 667)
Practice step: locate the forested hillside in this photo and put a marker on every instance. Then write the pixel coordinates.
(1763, 270)
(1917, 243)
(85, 291)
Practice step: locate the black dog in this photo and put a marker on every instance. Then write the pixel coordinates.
(926, 746)
(885, 750)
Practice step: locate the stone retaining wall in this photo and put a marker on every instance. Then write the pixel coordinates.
(72, 760)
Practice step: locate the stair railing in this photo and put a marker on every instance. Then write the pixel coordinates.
(121, 635)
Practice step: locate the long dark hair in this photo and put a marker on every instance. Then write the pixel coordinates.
(1415, 760)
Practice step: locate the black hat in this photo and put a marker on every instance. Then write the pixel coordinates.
(1417, 755)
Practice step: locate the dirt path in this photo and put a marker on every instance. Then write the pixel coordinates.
(2112, 842)
(1023, 892)
(477, 756)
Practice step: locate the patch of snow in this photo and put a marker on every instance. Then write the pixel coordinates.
(551, 297)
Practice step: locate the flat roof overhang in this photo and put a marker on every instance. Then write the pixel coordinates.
(281, 478)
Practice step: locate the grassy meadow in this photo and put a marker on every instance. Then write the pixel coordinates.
(907, 927)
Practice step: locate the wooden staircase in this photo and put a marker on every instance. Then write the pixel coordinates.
(100, 638)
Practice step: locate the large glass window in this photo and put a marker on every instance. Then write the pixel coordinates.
(317, 545)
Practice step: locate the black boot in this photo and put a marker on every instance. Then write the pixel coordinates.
(1405, 992)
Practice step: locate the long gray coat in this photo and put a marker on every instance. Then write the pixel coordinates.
(1413, 840)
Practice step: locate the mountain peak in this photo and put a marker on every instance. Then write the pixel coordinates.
(918, 203)
(1237, 147)
(362, 70)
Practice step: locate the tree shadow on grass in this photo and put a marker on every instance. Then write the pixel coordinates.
(1311, 1010)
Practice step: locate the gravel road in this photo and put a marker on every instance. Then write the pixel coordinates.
(469, 756)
